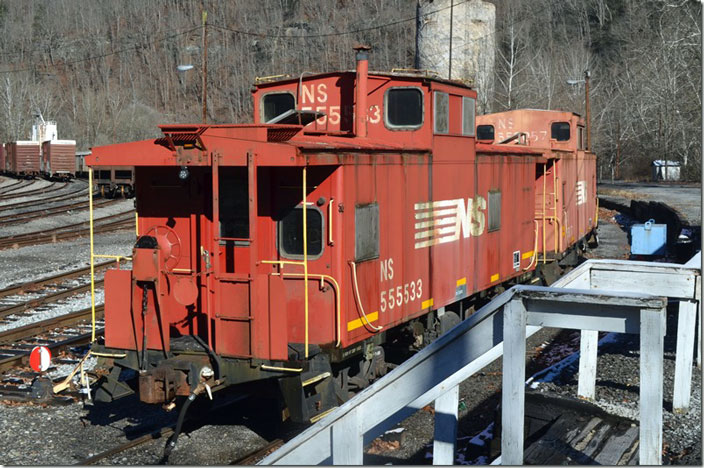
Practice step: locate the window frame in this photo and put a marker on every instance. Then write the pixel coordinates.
(393, 127)
(437, 93)
(493, 132)
(279, 233)
(569, 126)
(474, 117)
(489, 219)
(262, 106)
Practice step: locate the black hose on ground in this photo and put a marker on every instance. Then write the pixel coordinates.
(171, 443)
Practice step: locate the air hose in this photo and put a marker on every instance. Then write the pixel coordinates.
(171, 443)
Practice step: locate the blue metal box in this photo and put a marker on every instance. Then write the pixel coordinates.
(648, 238)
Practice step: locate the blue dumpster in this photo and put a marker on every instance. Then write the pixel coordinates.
(648, 238)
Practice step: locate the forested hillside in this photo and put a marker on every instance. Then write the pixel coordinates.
(106, 70)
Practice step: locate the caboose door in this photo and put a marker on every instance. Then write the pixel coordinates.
(313, 321)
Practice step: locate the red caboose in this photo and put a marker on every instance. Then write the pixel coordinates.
(565, 184)
(353, 212)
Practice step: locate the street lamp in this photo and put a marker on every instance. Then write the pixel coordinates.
(586, 104)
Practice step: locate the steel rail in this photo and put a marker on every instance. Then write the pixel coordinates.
(26, 332)
(3, 189)
(254, 457)
(162, 433)
(55, 297)
(61, 197)
(68, 231)
(32, 285)
(13, 187)
(49, 188)
(168, 430)
(50, 211)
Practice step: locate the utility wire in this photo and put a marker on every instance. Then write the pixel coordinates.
(343, 33)
(133, 48)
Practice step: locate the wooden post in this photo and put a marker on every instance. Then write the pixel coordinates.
(347, 440)
(588, 347)
(652, 328)
(513, 383)
(446, 427)
(686, 325)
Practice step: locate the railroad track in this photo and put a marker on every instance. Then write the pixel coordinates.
(54, 297)
(31, 286)
(71, 231)
(82, 192)
(163, 433)
(57, 333)
(49, 188)
(12, 219)
(11, 187)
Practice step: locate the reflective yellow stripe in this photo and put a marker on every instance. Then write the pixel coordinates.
(354, 324)
(461, 281)
(426, 304)
(495, 277)
(527, 255)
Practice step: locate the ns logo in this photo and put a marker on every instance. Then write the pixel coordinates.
(443, 221)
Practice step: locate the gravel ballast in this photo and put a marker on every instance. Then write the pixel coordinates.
(62, 435)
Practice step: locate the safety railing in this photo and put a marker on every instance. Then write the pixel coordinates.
(501, 327)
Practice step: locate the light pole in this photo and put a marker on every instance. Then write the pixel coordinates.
(204, 69)
(586, 105)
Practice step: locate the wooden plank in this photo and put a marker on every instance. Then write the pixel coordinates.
(651, 366)
(588, 344)
(671, 284)
(445, 442)
(513, 383)
(616, 446)
(686, 326)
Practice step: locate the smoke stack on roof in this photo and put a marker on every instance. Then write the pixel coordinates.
(360, 90)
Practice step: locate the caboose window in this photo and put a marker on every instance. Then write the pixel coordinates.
(468, 111)
(403, 108)
(580, 137)
(291, 233)
(485, 132)
(442, 112)
(234, 203)
(560, 131)
(275, 104)
(494, 210)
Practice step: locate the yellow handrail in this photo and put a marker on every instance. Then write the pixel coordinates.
(92, 267)
(305, 260)
(535, 247)
(338, 292)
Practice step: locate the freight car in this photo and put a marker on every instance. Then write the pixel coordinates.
(58, 159)
(114, 181)
(356, 212)
(23, 158)
(2, 159)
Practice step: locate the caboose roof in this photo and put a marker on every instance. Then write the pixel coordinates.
(419, 75)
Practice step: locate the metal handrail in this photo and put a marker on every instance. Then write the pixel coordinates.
(435, 371)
